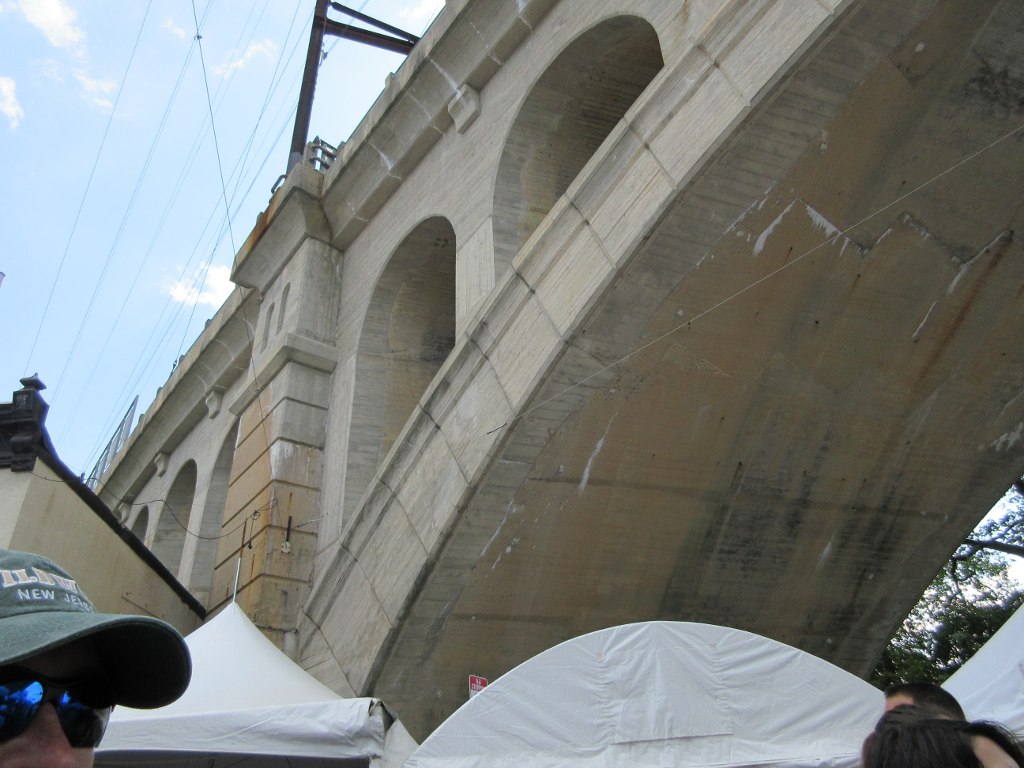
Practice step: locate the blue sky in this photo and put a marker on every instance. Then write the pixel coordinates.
(146, 263)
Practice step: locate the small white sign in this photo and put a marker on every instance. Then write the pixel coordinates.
(476, 684)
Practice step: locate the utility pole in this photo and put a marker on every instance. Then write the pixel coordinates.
(398, 41)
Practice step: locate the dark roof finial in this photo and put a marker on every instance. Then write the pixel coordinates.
(33, 382)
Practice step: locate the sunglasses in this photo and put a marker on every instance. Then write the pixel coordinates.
(83, 706)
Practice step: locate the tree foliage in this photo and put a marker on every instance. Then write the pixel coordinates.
(962, 608)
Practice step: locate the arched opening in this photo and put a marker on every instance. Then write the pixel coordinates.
(407, 334)
(201, 580)
(284, 306)
(266, 328)
(169, 539)
(141, 524)
(564, 119)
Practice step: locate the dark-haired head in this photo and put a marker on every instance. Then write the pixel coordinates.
(933, 700)
(907, 737)
(986, 735)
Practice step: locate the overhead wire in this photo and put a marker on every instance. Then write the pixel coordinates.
(177, 188)
(227, 209)
(271, 90)
(156, 139)
(88, 186)
(213, 124)
(120, 231)
(254, 515)
(130, 383)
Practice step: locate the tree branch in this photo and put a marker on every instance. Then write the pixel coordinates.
(1010, 549)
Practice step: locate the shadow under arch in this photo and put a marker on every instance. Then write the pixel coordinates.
(565, 117)
(407, 334)
(201, 577)
(169, 538)
(141, 524)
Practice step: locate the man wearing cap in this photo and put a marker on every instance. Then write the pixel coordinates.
(63, 666)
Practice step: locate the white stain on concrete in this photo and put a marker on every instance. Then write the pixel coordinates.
(759, 245)
(821, 222)
(1010, 439)
(384, 158)
(451, 80)
(960, 273)
(1010, 404)
(926, 316)
(500, 526)
(826, 552)
(967, 265)
(597, 450)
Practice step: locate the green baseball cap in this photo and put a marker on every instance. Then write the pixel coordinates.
(42, 608)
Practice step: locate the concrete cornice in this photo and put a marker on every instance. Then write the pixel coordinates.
(215, 361)
(293, 347)
(294, 214)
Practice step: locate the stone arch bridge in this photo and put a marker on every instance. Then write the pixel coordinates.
(613, 310)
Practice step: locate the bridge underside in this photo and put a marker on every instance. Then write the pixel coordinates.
(792, 453)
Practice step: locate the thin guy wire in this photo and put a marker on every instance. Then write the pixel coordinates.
(429, 466)
(213, 127)
(172, 322)
(88, 186)
(241, 174)
(145, 258)
(761, 280)
(254, 515)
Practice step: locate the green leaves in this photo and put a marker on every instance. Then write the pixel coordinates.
(961, 609)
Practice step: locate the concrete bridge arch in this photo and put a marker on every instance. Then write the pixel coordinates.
(769, 467)
(173, 519)
(407, 334)
(562, 120)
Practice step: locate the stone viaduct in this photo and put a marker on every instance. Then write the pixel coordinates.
(522, 363)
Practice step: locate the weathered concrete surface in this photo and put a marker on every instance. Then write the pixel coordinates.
(798, 462)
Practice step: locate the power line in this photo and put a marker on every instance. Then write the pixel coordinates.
(88, 186)
(213, 125)
(192, 155)
(145, 259)
(173, 322)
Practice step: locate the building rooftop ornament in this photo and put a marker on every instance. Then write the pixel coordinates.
(22, 430)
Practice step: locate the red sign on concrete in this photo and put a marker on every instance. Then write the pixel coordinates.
(476, 684)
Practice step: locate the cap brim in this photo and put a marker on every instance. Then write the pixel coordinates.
(147, 659)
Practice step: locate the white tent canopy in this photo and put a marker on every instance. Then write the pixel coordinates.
(657, 694)
(249, 704)
(990, 686)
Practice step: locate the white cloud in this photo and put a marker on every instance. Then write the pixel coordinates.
(169, 24)
(267, 48)
(215, 291)
(8, 103)
(55, 19)
(96, 89)
(415, 17)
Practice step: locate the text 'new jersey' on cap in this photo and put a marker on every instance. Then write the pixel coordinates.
(42, 608)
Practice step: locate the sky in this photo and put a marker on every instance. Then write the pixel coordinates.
(116, 247)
